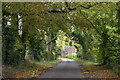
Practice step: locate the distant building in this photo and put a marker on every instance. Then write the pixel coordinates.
(69, 50)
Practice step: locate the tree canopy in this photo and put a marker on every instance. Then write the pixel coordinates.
(34, 28)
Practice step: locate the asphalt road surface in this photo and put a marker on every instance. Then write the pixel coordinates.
(65, 69)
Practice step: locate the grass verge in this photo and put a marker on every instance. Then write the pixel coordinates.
(27, 69)
(93, 70)
(85, 61)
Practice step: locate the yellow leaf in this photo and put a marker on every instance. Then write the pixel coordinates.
(86, 72)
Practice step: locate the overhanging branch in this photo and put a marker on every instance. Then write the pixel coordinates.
(71, 9)
(101, 34)
(91, 23)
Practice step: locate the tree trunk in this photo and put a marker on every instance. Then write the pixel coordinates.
(104, 48)
(118, 15)
(24, 43)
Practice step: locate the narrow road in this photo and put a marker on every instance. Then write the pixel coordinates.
(65, 69)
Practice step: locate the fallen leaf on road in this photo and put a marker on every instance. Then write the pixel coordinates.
(86, 72)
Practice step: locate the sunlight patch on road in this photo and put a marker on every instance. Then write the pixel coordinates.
(66, 59)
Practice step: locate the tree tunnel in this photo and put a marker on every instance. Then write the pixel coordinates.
(92, 27)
